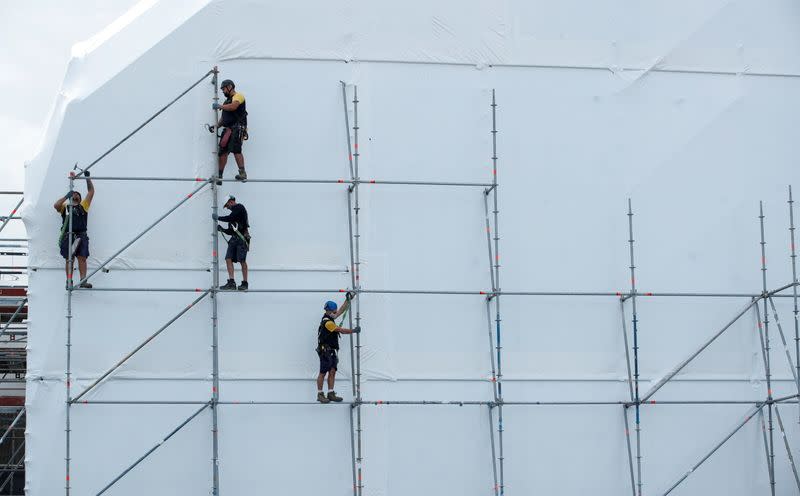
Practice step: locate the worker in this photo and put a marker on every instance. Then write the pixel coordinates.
(79, 238)
(328, 346)
(239, 242)
(233, 122)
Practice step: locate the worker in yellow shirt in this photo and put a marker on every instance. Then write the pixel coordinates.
(328, 347)
(233, 122)
(80, 239)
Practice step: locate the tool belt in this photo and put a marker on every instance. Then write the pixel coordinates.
(324, 349)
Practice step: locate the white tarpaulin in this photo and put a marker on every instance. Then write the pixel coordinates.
(687, 109)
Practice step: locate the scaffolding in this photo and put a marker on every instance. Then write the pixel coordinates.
(13, 356)
(637, 401)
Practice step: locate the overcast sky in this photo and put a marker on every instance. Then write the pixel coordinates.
(35, 42)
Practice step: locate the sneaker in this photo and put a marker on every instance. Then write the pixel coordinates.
(243, 286)
(332, 397)
(241, 176)
(322, 398)
(86, 285)
(231, 284)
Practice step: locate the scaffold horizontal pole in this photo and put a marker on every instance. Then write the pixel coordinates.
(435, 292)
(787, 400)
(299, 181)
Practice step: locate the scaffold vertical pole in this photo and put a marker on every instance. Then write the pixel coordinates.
(350, 232)
(793, 255)
(628, 443)
(635, 353)
(357, 275)
(770, 425)
(760, 326)
(70, 274)
(495, 487)
(352, 283)
(214, 313)
(766, 442)
(499, 346)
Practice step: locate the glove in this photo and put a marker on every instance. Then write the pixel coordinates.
(349, 296)
(219, 228)
(216, 106)
(86, 173)
(357, 330)
(68, 196)
(214, 216)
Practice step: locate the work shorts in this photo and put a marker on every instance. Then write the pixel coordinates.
(82, 250)
(231, 140)
(237, 249)
(328, 360)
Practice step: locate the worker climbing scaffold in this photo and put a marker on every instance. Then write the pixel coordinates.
(328, 346)
(74, 211)
(233, 122)
(239, 242)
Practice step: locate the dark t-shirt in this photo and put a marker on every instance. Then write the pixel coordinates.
(238, 116)
(237, 219)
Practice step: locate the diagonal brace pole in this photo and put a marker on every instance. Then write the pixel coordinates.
(785, 345)
(148, 121)
(788, 449)
(14, 316)
(13, 424)
(5, 221)
(691, 357)
(151, 450)
(136, 238)
(736, 429)
(142, 345)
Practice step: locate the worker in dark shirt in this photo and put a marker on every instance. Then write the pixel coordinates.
(233, 122)
(238, 243)
(79, 224)
(328, 347)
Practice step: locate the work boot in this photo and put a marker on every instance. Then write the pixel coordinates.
(86, 285)
(241, 176)
(332, 397)
(322, 398)
(243, 286)
(218, 178)
(231, 284)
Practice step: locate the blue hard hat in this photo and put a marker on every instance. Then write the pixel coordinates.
(330, 306)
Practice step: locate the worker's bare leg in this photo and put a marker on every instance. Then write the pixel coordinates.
(244, 271)
(229, 265)
(223, 159)
(320, 380)
(331, 379)
(82, 267)
(239, 160)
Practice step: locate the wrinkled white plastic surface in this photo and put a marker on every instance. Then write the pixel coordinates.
(687, 109)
